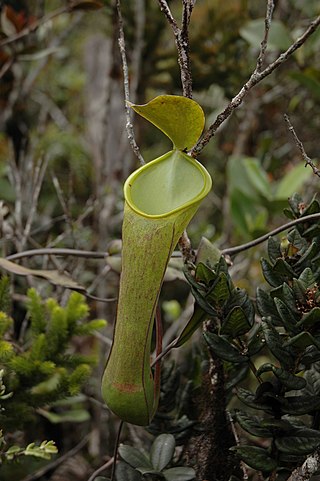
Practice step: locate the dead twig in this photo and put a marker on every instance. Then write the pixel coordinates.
(256, 77)
(299, 144)
(181, 36)
(122, 47)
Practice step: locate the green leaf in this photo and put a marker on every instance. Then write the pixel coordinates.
(302, 441)
(207, 253)
(223, 348)
(287, 379)
(162, 451)
(273, 278)
(252, 424)
(275, 344)
(302, 340)
(197, 318)
(310, 318)
(179, 474)
(288, 318)
(265, 304)
(71, 416)
(292, 181)
(220, 291)
(181, 119)
(236, 324)
(124, 472)
(249, 399)
(257, 458)
(279, 36)
(274, 251)
(298, 405)
(134, 457)
(258, 177)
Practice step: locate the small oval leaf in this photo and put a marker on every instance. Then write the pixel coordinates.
(162, 451)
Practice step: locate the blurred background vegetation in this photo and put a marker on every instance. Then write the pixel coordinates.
(64, 156)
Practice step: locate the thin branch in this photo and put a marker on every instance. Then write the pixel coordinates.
(140, 20)
(264, 43)
(101, 469)
(309, 467)
(122, 47)
(254, 79)
(181, 36)
(265, 237)
(299, 144)
(164, 7)
(115, 452)
(35, 25)
(54, 464)
(52, 251)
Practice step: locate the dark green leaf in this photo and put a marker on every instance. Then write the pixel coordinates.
(179, 474)
(223, 348)
(162, 451)
(274, 251)
(220, 292)
(298, 405)
(256, 343)
(252, 424)
(311, 355)
(193, 324)
(124, 472)
(238, 374)
(257, 458)
(302, 441)
(275, 344)
(295, 238)
(308, 255)
(299, 290)
(134, 457)
(249, 399)
(277, 425)
(289, 319)
(203, 303)
(311, 318)
(284, 269)
(302, 340)
(273, 278)
(307, 278)
(265, 304)
(236, 324)
(287, 379)
(204, 274)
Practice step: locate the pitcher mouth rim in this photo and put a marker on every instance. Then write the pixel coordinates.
(207, 184)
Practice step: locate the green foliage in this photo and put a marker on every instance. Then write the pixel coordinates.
(155, 464)
(288, 336)
(46, 368)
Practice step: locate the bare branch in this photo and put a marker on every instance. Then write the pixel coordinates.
(122, 47)
(52, 251)
(254, 79)
(181, 36)
(35, 25)
(248, 245)
(299, 144)
(264, 43)
(164, 7)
